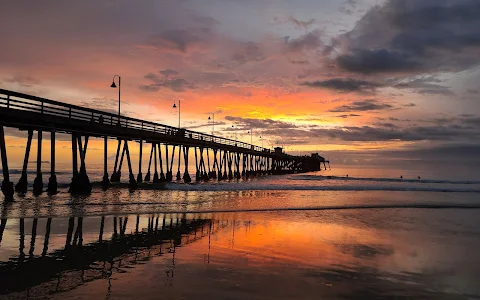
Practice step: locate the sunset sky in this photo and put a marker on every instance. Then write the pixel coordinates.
(312, 75)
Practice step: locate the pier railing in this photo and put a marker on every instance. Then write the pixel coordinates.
(23, 102)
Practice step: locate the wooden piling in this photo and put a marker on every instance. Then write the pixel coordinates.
(147, 177)
(52, 181)
(114, 174)
(162, 174)
(155, 174)
(22, 184)
(105, 180)
(132, 183)
(140, 176)
(186, 176)
(179, 158)
(38, 182)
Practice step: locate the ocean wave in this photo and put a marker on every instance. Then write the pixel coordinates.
(260, 186)
(300, 208)
(400, 180)
(279, 187)
(33, 172)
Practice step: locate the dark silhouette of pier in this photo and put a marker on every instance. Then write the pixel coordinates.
(76, 263)
(215, 157)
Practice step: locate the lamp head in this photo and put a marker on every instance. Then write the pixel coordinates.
(209, 118)
(174, 106)
(113, 85)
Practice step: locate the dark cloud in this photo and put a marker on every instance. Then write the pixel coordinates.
(425, 85)
(205, 20)
(301, 24)
(363, 105)
(308, 42)
(248, 52)
(377, 134)
(247, 123)
(348, 7)
(376, 61)
(344, 85)
(168, 72)
(180, 40)
(177, 85)
(415, 36)
(168, 80)
(217, 123)
(347, 116)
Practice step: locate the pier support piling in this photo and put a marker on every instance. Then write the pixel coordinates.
(179, 156)
(140, 176)
(132, 183)
(7, 185)
(52, 181)
(162, 174)
(147, 176)
(105, 180)
(115, 177)
(22, 184)
(38, 182)
(186, 176)
(155, 174)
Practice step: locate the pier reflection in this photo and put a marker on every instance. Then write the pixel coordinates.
(84, 250)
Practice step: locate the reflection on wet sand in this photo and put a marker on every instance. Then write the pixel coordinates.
(77, 263)
(308, 255)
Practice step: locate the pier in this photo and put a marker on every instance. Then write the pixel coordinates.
(216, 158)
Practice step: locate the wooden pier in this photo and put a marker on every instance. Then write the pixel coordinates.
(230, 158)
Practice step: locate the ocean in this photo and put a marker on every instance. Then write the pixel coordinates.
(322, 235)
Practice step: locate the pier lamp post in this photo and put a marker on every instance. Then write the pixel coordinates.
(113, 85)
(213, 122)
(262, 142)
(235, 130)
(175, 106)
(251, 139)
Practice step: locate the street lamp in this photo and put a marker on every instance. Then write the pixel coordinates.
(262, 142)
(113, 85)
(235, 130)
(213, 122)
(251, 139)
(174, 106)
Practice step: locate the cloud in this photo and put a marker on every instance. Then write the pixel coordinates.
(379, 134)
(301, 24)
(376, 61)
(247, 52)
(248, 123)
(363, 105)
(414, 36)
(172, 83)
(180, 40)
(344, 85)
(347, 116)
(23, 80)
(308, 42)
(168, 72)
(425, 85)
